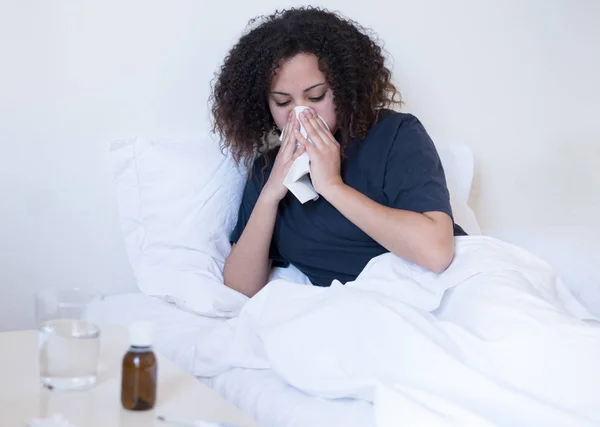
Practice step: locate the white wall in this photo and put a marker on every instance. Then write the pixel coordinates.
(516, 80)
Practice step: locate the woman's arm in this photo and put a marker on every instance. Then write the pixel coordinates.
(425, 239)
(247, 267)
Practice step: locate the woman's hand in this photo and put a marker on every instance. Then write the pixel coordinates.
(324, 154)
(274, 190)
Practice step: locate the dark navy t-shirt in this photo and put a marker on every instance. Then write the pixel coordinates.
(396, 165)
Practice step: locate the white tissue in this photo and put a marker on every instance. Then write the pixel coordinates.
(56, 420)
(199, 423)
(297, 180)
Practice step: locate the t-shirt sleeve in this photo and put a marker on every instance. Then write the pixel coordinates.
(251, 192)
(414, 177)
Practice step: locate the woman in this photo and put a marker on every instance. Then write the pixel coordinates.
(379, 176)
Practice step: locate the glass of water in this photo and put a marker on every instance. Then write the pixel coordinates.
(68, 343)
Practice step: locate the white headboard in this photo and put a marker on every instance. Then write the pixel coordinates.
(514, 80)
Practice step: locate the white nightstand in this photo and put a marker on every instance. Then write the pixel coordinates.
(180, 395)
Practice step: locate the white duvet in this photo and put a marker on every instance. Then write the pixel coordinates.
(496, 340)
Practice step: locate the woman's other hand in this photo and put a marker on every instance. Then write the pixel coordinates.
(324, 154)
(274, 190)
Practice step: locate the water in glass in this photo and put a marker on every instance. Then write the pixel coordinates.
(68, 353)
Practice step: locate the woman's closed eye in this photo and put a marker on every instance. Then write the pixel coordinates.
(312, 99)
(318, 98)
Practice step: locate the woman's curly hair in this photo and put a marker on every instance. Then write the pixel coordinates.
(351, 60)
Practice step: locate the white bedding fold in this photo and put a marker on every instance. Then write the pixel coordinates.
(496, 340)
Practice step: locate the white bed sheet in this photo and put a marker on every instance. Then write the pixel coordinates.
(496, 340)
(573, 251)
(261, 394)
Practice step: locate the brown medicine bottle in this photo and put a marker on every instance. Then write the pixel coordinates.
(139, 371)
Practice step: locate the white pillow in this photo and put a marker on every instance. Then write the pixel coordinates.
(459, 167)
(178, 202)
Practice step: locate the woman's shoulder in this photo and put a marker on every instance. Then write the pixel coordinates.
(392, 128)
(404, 133)
(393, 120)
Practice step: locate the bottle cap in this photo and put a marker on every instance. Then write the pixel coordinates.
(141, 334)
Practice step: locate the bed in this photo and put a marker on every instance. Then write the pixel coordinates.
(176, 217)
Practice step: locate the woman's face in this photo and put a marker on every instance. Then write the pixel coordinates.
(298, 81)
